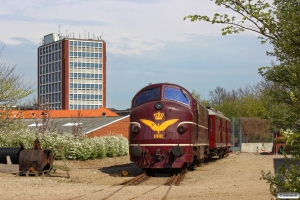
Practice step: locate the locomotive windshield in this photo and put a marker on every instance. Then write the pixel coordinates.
(176, 95)
(147, 95)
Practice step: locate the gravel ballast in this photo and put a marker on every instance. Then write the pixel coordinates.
(234, 177)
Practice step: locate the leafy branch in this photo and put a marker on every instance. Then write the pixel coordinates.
(260, 15)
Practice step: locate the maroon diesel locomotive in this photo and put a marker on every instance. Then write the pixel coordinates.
(170, 129)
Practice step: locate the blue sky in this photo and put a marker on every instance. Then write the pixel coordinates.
(147, 42)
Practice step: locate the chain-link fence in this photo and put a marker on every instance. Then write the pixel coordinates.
(238, 136)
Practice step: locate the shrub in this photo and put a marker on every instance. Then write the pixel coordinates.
(287, 179)
(75, 148)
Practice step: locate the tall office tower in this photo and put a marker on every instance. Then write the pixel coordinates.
(72, 72)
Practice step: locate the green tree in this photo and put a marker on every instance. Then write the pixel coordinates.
(12, 89)
(257, 16)
(279, 24)
(198, 97)
(287, 179)
(243, 102)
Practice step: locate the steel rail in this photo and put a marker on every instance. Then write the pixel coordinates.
(126, 183)
(173, 180)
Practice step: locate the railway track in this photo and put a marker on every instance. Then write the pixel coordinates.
(171, 181)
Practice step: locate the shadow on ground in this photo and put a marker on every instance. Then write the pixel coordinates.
(117, 170)
(4, 168)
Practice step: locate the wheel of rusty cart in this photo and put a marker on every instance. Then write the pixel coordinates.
(124, 173)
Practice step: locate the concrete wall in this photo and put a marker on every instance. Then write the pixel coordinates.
(253, 147)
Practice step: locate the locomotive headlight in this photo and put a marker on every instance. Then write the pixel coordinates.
(182, 129)
(158, 105)
(135, 129)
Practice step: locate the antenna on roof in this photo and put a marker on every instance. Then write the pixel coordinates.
(58, 29)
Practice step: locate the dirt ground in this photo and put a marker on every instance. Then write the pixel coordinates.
(234, 177)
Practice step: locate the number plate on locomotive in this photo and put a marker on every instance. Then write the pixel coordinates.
(158, 135)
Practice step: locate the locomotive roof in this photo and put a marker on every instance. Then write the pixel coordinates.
(159, 84)
(212, 111)
(150, 85)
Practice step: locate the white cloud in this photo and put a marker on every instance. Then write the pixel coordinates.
(147, 41)
(123, 23)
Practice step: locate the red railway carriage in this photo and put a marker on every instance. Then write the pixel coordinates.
(219, 133)
(168, 128)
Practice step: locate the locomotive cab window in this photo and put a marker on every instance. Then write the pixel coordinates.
(147, 95)
(176, 95)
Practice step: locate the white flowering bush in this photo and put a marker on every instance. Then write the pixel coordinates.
(286, 133)
(74, 148)
(13, 138)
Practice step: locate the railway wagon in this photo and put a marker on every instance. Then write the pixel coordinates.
(219, 133)
(168, 128)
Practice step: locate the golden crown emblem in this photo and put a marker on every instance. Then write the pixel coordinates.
(158, 115)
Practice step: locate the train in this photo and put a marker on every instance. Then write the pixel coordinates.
(171, 130)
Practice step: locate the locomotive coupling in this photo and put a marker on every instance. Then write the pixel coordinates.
(157, 155)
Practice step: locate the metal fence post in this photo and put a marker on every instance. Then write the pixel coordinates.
(232, 134)
(241, 138)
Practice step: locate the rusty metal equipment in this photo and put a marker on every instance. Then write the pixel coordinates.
(36, 159)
